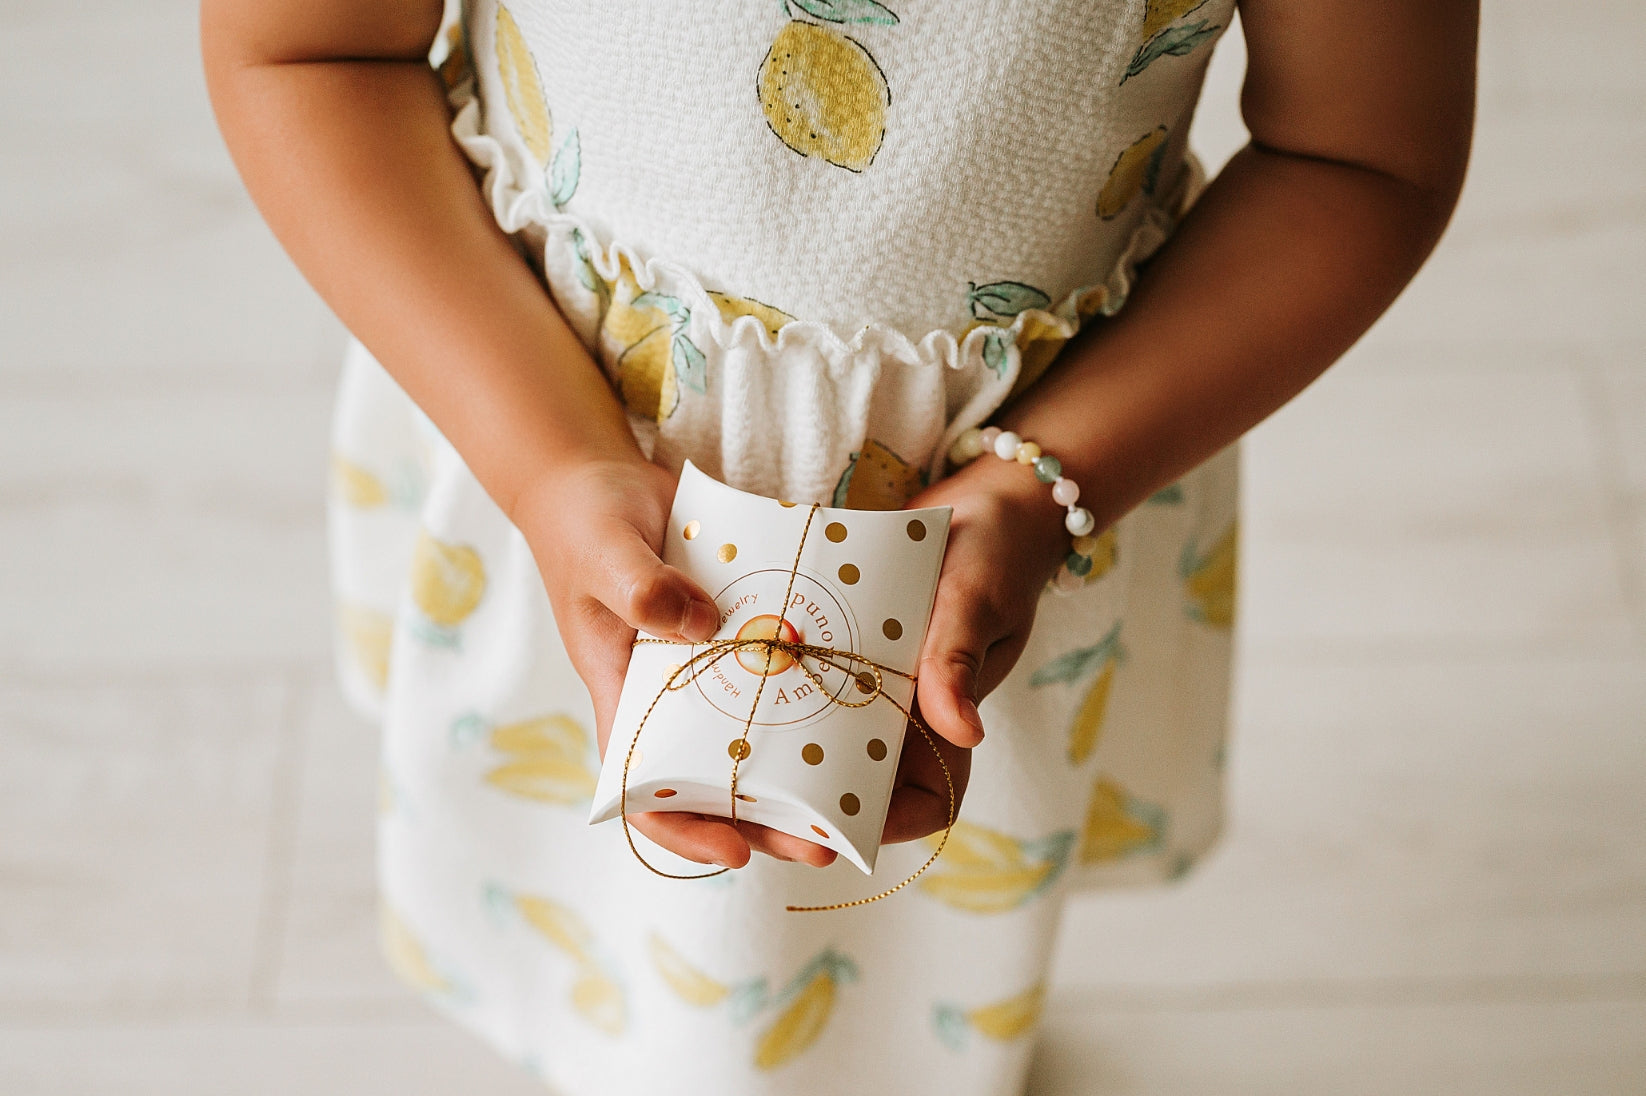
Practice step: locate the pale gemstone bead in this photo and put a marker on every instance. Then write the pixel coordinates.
(988, 435)
(1065, 491)
(967, 446)
(1028, 453)
(1005, 446)
(1080, 521)
(1067, 582)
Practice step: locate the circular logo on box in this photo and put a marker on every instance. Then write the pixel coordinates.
(753, 607)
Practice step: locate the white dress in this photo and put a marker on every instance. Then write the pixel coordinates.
(811, 241)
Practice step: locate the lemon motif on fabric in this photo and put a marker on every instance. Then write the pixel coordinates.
(523, 92)
(359, 488)
(1209, 580)
(644, 334)
(1119, 825)
(807, 1003)
(1086, 729)
(699, 990)
(822, 93)
(877, 479)
(547, 759)
(985, 871)
(1001, 1021)
(406, 956)
(731, 308)
(367, 636)
(596, 994)
(1136, 170)
(1042, 332)
(1162, 39)
(448, 582)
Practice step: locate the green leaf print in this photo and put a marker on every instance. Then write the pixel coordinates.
(1005, 298)
(1174, 41)
(690, 367)
(994, 351)
(568, 165)
(844, 11)
(1076, 664)
(1167, 496)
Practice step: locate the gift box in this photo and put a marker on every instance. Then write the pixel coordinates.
(815, 722)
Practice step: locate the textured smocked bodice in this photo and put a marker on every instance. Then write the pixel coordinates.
(920, 182)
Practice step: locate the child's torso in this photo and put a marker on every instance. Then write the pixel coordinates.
(923, 164)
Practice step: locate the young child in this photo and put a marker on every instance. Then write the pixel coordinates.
(814, 246)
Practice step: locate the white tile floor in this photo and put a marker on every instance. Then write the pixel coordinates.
(1435, 875)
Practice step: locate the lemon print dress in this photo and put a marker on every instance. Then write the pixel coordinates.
(811, 242)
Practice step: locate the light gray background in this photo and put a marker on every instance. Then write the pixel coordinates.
(1435, 875)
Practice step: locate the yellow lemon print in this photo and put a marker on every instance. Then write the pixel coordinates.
(599, 1000)
(1118, 825)
(368, 637)
(810, 1001)
(644, 334)
(732, 307)
(448, 580)
(1162, 39)
(356, 486)
(822, 93)
(1209, 580)
(405, 953)
(522, 90)
(1002, 1021)
(596, 995)
(983, 871)
(688, 983)
(1087, 727)
(1105, 553)
(548, 760)
(1160, 14)
(1136, 170)
(556, 924)
(877, 479)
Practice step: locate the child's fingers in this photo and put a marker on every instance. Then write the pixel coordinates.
(646, 593)
(695, 837)
(785, 846)
(957, 641)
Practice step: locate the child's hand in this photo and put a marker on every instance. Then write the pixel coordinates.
(1006, 540)
(595, 530)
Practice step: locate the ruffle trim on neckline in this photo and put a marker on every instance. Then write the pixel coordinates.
(520, 205)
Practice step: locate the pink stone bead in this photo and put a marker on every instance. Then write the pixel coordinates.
(1065, 491)
(990, 433)
(1067, 582)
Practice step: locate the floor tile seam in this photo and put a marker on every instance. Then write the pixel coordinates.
(232, 676)
(1612, 469)
(1257, 995)
(280, 850)
(1419, 652)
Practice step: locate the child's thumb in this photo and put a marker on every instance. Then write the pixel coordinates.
(948, 679)
(647, 594)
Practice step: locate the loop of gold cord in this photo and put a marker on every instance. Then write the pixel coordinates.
(714, 651)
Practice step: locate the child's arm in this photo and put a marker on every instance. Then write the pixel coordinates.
(1360, 115)
(340, 130)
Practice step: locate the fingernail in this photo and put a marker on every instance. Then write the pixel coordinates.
(702, 621)
(969, 712)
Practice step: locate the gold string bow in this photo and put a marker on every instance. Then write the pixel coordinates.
(870, 681)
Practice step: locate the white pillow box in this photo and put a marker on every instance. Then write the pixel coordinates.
(812, 767)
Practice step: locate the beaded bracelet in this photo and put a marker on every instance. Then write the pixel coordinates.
(1079, 521)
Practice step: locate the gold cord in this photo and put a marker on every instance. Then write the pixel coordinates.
(853, 664)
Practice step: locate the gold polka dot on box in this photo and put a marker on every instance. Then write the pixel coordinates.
(814, 747)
